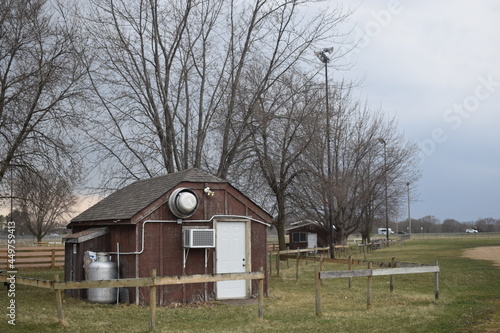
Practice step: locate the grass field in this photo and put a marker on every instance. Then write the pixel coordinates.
(469, 300)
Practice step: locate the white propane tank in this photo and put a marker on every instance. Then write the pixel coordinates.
(102, 269)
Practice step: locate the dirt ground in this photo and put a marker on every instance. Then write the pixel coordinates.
(491, 253)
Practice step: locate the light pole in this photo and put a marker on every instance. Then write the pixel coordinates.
(382, 141)
(11, 194)
(325, 59)
(409, 216)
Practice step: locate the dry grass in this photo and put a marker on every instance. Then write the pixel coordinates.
(468, 303)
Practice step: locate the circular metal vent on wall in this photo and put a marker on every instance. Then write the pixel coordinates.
(183, 202)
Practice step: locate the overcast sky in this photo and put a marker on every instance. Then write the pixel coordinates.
(435, 66)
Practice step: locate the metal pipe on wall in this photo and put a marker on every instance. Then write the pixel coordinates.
(190, 221)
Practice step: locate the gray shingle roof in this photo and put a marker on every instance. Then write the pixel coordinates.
(128, 201)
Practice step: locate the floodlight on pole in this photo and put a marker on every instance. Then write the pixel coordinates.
(322, 55)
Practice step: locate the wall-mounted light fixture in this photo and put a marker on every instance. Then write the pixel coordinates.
(209, 192)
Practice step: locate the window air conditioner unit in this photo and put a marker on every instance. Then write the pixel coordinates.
(199, 238)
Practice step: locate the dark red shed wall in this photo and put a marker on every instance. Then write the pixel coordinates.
(163, 249)
(321, 234)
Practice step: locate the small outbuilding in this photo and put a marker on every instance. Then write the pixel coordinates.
(184, 223)
(306, 235)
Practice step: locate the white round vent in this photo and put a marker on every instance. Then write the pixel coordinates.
(183, 202)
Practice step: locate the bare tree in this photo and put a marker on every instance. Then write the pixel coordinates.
(45, 199)
(451, 225)
(281, 132)
(177, 82)
(485, 225)
(21, 221)
(41, 78)
(358, 168)
(426, 224)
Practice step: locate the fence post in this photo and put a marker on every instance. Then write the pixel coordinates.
(278, 264)
(436, 283)
(287, 262)
(350, 268)
(152, 301)
(392, 265)
(318, 290)
(261, 295)
(60, 313)
(270, 263)
(369, 292)
(53, 259)
(297, 266)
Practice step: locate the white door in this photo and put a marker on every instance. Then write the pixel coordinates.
(230, 254)
(312, 240)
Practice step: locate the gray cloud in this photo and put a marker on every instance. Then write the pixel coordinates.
(435, 66)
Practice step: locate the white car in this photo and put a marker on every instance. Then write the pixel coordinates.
(471, 231)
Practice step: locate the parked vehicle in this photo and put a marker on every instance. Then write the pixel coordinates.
(471, 231)
(383, 231)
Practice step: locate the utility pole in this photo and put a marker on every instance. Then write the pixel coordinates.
(325, 59)
(386, 199)
(409, 216)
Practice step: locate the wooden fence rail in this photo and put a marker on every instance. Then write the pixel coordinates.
(349, 262)
(301, 250)
(370, 272)
(33, 256)
(288, 254)
(152, 282)
(33, 244)
(281, 254)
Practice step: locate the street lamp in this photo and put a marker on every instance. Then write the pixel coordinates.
(382, 141)
(409, 216)
(325, 59)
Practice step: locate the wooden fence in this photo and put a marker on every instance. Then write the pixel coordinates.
(32, 243)
(152, 282)
(353, 245)
(393, 268)
(33, 256)
(370, 272)
(303, 255)
(283, 254)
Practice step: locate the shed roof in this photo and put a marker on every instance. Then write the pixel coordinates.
(85, 235)
(128, 201)
(306, 225)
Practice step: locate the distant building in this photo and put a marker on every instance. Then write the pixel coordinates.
(307, 234)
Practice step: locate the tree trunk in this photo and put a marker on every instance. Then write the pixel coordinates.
(281, 236)
(281, 220)
(365, 237)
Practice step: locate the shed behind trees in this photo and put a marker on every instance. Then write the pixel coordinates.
(157, 223)
(306, 234)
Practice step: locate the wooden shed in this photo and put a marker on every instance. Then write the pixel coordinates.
(306, 234)
(157, 223)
